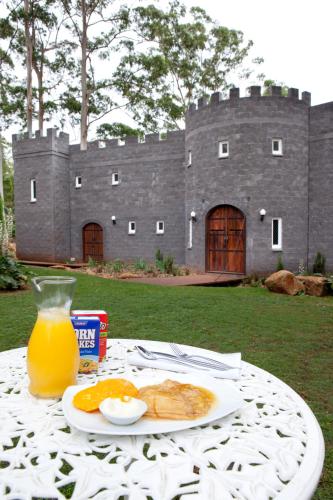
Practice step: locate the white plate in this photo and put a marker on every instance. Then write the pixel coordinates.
(228, 400)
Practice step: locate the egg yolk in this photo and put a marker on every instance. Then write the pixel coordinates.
(90, 398)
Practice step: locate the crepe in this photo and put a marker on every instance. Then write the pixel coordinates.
(176, 401)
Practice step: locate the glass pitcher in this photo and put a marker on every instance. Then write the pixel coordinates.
(53, 351)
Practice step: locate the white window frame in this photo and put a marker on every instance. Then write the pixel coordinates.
(279, 151)
(223, 154)
(78, 181)
(130, 229)
(158, 229)
(33, 190)
(114, 180)
(189, 158)
(278, 245)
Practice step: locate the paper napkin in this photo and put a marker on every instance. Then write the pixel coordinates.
(232, 359)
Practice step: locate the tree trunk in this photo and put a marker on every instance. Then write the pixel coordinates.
(39, 74)
(28, 43)
(1, 171)
(84, 90)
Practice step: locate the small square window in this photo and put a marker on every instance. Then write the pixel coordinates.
(131, 227)
(78, 181)
(223, 149)
(160, 227)
(189, 158)
(33, 190)
(277, 234)
(277, 147)
(115, 179)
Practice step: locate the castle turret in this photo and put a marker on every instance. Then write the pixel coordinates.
(42, 205)
(248, 154)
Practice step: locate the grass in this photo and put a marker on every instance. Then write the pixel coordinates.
(290, 337)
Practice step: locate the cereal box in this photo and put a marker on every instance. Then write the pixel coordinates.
(87, 332)
(104, 326)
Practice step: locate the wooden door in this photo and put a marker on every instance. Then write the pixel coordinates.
(92, 241)
(225, 240)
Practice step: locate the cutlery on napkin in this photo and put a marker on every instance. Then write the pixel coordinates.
(232, 359)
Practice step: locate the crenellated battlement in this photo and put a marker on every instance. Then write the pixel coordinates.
(51, 135)
(254, 92)
(59, 140)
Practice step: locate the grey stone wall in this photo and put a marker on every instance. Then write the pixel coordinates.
(42, 227)
(151, 188)
(321, 183)
(251, 178)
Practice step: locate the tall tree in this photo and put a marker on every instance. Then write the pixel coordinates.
(29, 48)
(184, 55)
(41, 45)
(95, 99)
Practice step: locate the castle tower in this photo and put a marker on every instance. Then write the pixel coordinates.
(247, 181)
(321, 183)
(42, 204)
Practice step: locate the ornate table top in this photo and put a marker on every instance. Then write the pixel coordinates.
(270, 449)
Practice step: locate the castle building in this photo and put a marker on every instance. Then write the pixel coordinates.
(248, 180)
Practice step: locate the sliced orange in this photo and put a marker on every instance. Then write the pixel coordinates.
(89, 399)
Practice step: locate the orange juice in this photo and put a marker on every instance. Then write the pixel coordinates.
(53, 354)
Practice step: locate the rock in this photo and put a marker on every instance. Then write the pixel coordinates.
(59, 266)
(284, 282)
(128, 276)
(314, 285)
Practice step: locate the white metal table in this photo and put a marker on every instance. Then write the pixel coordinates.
(271, 449)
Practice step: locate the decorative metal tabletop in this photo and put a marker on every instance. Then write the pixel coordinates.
(270, 449)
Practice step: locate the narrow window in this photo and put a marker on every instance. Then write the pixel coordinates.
(223, 149)
(160, 227)
(33, 191)
(131, 227)
(277, 147)
(189, 158)
(115, 178)
(78, 181)
(277, 234)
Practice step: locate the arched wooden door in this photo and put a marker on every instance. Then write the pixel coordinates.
(92, 236)
(225, 240)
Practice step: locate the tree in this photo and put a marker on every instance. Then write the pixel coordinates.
(184, 55)
(268, 83)
(39, 45)
(117, 130)
(92, 98)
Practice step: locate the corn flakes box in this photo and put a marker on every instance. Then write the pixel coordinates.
(87, 331)
(104, 326)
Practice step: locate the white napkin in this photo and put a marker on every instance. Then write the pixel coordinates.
(232, 359)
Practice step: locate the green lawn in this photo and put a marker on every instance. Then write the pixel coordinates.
(289, 336)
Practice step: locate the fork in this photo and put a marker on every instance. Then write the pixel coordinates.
(152, 355)
(196, 357)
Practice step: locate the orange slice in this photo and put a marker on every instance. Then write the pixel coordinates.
(90, 398)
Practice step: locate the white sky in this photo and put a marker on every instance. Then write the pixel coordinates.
(295, 37)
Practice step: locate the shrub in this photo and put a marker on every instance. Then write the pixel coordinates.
(12, 274)
(159, 255)
(140, 265)
(168, 264)
(117, 266)
(279, 265)
(319, 264)
(159, 260)
(91, 263)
